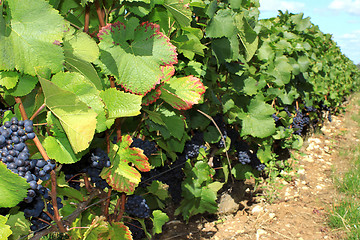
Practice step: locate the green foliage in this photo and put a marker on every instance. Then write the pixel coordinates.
(20, 47)
(5, 231)
(199, 191)
(145, 74)
(12, 186)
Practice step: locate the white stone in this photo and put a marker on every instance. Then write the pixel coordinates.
(257, 210)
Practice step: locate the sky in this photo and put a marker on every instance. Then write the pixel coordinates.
(341, 18)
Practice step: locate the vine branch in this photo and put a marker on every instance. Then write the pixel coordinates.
(99, 13)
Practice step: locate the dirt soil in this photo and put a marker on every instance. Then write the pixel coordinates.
(293, 209)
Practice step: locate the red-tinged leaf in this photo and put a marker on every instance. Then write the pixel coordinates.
(121, 176)
(168, 71)
(183, 93)
(117, 230)
(135, 58)
(152, 96)
(97, 228)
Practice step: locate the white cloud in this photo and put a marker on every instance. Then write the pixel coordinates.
(274, 5)
(350, 45)
(349, 6)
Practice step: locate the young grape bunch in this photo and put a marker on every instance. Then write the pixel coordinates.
(136, 206)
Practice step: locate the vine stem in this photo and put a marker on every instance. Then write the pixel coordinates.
(99, 13)
(87, 19)
(222, 138)
(52, 173)
(107, 204)
(122, 209)
(38, 111)
(53, 194)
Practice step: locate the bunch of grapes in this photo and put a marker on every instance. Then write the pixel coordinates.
(92, 164)
(192, 147)
(310, 108)
(136, 206)
(243, 152)
(15, 154)
(299, 122)
(147, 146)
(275, 117)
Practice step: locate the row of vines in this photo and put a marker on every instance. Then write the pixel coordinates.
(113, 110)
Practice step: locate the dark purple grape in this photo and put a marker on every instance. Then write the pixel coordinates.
(30, 135)
(2, 139)
(41, 163)
(29, 129)
(14, 121)
(33, 185)
(14, 128)
(7, 124)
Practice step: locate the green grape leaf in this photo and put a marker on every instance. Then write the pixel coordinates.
(5, 230)
(58, 146)
(30, 41)
(86, 91)
(59, 149)
(222, 24)
(189, 45)
(265, 52)
(281, 70)
(121, 176)
(304, 63)
(183, 93)
(198, 196)
(158, 189)
(135, 59)
(65, 190)
(242, 172)
(79, 51)
(258, 121)
(173, 123)
(25, 85)
(159, 220)
(9, 79)
(247, 35)
(155, 117)
(226, 49)
(13, 188)
(77, 119)
(121, 104)
(19, 225)
(300, 23)
(81, 46)
(180, 10)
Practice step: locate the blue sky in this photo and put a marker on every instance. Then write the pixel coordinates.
(341, 18)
